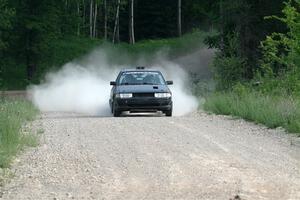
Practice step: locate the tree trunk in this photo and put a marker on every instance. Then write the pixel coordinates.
(131, 23)
(95, 20)
(91, 19)
(105, 19)
(179, 18)
(78, 15)
(118, 31)
(222, 25)
(84, 14)
(116, 28)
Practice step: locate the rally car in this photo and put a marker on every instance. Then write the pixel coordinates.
(140, 90)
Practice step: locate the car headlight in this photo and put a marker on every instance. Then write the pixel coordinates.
(124, 95)
(162, 95)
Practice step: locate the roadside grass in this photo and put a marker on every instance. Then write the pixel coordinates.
(272, 111)
(13, 116)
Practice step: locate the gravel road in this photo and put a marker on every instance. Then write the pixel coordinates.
(198, 156)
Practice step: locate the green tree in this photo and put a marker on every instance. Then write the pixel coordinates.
(280, 65)
(245, 20)
(6, 16)
(282, 50)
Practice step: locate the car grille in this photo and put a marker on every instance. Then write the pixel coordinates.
(143, 94)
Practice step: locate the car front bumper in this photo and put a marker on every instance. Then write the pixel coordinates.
(143, 104)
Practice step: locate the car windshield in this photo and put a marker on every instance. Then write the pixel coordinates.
(141, 78)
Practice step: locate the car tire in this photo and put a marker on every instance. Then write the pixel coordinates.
(168, 113)
(111, 108)
(115, 111)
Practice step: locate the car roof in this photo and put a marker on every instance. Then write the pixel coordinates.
(139, 70)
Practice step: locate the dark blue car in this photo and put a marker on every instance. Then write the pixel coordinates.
(140, 90)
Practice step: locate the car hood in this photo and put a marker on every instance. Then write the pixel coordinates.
(142, 88)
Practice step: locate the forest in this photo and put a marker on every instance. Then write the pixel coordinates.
(257, 44)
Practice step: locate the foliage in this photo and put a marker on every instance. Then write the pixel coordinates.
(241, 23)
(280, 65)
(13, 115)
(202, 88)
(272, 96)
(47, 33)
(229, 66)
(36, 31)
(175, 46)
(72, 47)
(6, 16)
(64, 50)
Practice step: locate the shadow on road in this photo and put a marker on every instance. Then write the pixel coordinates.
(71, 115)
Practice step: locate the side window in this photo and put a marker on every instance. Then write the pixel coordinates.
(121, 79)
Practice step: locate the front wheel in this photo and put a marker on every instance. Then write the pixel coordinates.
(168, 113)
(115, 111)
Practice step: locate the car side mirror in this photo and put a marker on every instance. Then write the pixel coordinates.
(113, 83)
(169, 82)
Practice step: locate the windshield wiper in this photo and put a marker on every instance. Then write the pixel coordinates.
(148, 84)
(130, 84)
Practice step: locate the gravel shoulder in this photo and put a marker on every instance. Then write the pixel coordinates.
(198, 156)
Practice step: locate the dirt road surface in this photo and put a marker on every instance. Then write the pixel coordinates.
(198, 156)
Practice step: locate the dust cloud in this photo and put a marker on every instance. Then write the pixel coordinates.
(82, 86)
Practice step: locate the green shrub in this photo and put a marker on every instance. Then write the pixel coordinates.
(228, 71)
(202, 88)
(59, 52)
(280, 65)
(229, 66)
(171, 47)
